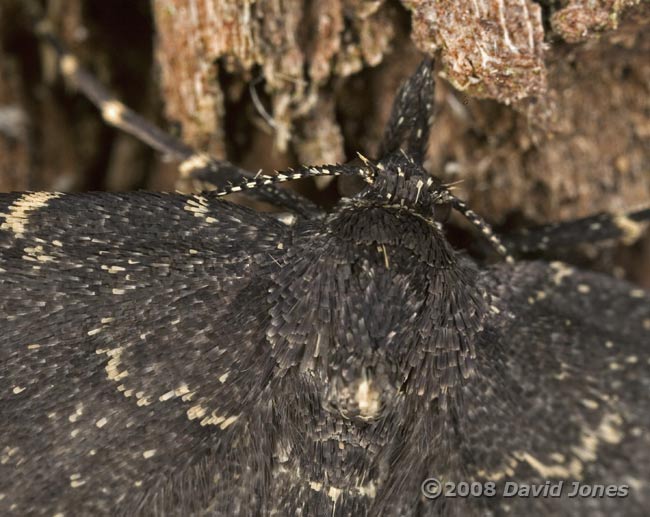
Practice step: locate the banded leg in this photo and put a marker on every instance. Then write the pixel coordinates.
(627, 227)
(412, 114)
(205, 169)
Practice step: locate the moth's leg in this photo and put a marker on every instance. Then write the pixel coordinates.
(412, 114)
(208, 172)
(627, 227)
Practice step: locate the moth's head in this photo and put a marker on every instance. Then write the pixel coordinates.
(399, 180)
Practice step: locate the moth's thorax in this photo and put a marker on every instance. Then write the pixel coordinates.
(382, 289)
(391, 229)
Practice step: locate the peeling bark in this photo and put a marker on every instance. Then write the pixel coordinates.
(489, 48)
(295, 46)
(595, 157)
(579, 20)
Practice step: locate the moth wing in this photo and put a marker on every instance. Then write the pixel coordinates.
(561, 392)
(132, 344)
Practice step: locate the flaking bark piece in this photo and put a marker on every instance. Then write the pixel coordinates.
(581, 19)
(261, 38)
(490, 48)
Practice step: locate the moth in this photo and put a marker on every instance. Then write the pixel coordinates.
(169, 354)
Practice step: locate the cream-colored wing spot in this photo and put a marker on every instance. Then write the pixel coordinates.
(17, 218)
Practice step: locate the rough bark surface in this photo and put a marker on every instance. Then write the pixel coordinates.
(578, 20)
(543, 106)
(489, 48)
(294, 46)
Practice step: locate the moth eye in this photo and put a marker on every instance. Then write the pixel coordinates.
(441, 212)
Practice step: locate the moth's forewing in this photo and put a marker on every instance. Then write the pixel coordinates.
(132, 346)
(562, 390)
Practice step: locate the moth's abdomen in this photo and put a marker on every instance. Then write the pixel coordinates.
(320, 458)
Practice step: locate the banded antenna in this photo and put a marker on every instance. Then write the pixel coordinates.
(367, 173)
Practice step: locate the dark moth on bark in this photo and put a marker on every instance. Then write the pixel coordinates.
(182, 355)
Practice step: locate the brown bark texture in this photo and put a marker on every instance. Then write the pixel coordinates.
(543, 107)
